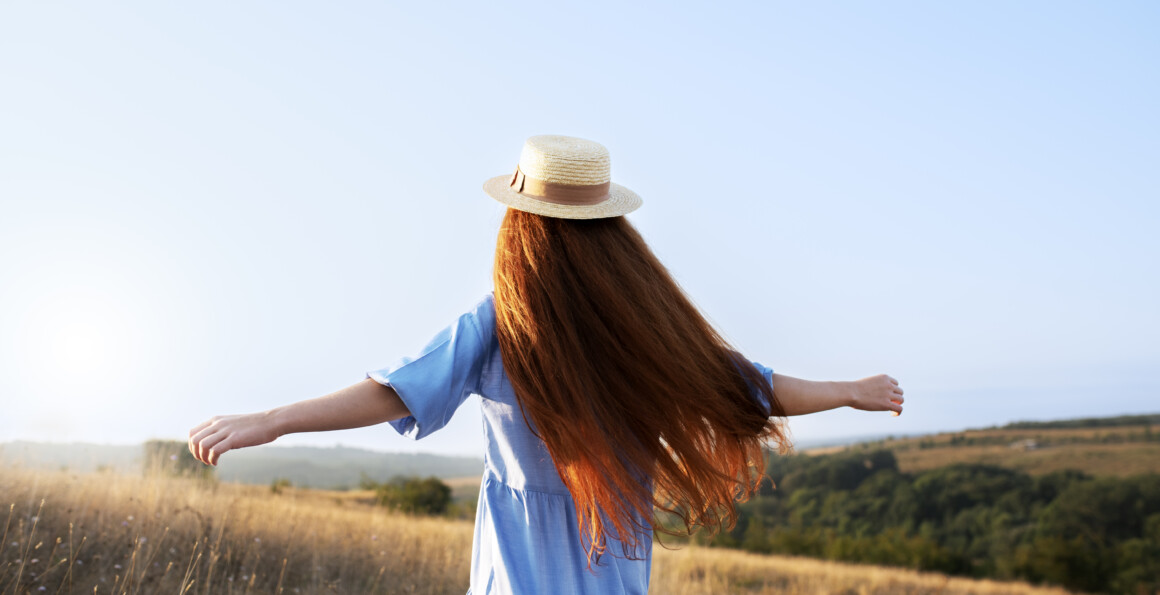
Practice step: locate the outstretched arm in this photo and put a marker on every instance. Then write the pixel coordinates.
(874, 393)
(363, 404)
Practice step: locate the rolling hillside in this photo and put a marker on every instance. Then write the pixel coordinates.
(1110, 446)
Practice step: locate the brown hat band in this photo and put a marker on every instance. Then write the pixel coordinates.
(560, 194)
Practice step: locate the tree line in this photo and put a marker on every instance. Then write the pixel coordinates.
(1088, 422)
(1065, 528)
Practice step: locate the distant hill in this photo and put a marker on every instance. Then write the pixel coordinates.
(1103, 446)
(83, 457)
(304, 466)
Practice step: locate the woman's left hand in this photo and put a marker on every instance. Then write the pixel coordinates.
(878, 393)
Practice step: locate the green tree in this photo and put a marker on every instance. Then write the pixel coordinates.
(756, 538)
(279, 485)
(413, 495)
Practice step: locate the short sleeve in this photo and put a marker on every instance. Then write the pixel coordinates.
(435, 383)
(766, 375)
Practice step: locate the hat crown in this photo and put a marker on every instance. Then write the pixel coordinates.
(565, 160)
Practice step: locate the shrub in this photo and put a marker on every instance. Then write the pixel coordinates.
(413, 495)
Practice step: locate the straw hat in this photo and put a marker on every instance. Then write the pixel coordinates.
(565, 177)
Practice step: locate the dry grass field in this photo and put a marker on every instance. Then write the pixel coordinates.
(701, 571)
(1110, 451)
(104, 533)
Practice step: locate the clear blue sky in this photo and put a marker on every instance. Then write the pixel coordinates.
(212, 208)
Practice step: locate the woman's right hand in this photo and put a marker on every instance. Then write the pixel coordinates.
(878, 393)
(221, 434)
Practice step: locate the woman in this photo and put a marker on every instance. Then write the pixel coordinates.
(609, 402)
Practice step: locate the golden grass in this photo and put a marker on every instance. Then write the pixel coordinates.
(1118, 460)
(703, 571)
(120, 534)
(1094, 432)
(104, 533)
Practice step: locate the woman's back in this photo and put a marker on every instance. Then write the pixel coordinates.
(526, 538)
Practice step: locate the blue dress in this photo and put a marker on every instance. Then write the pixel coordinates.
(526, 538)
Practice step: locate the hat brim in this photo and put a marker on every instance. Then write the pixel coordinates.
(620, 201)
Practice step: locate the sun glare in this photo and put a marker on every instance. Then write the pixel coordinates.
(82, 338)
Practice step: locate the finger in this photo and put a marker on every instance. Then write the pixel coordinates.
(196, 449)
(892, 380)
(194, 432)
(218, 450)
(199, 433)
(204, 442)
(209, 444)
(196, 441)
(897, 398)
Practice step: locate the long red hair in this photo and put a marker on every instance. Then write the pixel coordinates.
(642, 404)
